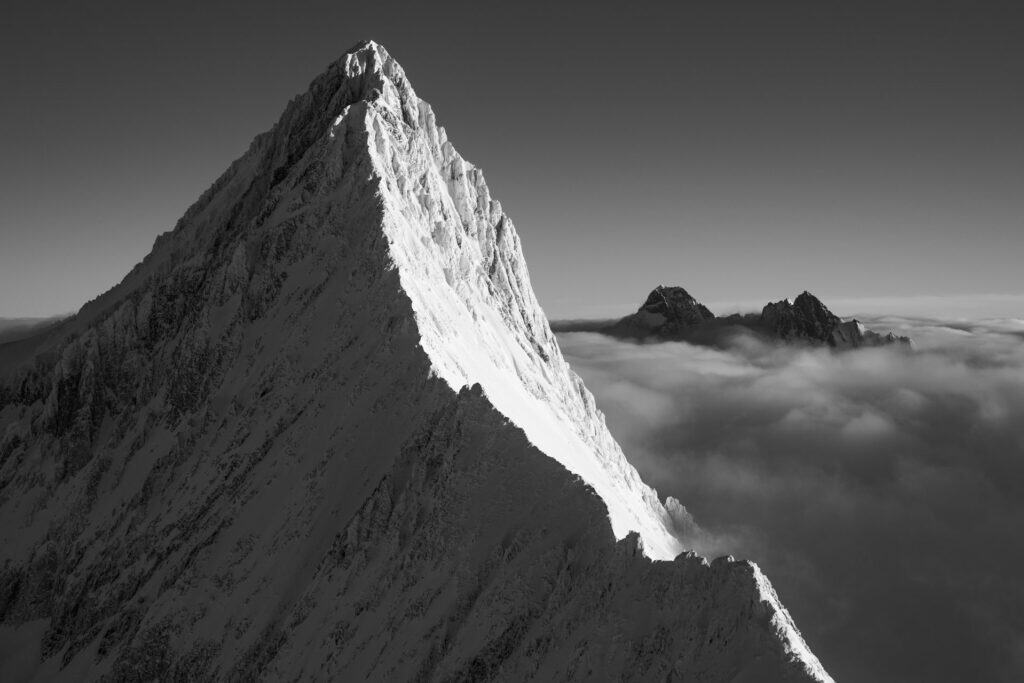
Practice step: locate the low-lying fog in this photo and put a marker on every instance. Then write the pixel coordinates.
(881, 491)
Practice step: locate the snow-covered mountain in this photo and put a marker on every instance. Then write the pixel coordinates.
(324, 431)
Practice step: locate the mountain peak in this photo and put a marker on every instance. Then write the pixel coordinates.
(662, 295)
(806, 318)
(366, 44)
(368, 72)
(806, 300)
(324, 430)
(676, 305)
(672, 313)
(667, 311)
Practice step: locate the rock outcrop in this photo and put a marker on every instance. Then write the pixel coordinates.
(324, 431)
(805, 319)
(667, 311)
(808, 320)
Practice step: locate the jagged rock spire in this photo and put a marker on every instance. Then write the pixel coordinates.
(806, 318)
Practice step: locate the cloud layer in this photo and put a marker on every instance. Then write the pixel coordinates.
(883, 492)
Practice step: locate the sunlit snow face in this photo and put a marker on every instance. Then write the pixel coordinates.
(882, 492)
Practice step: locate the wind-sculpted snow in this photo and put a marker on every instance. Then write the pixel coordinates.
(324, 431)
(462, 267)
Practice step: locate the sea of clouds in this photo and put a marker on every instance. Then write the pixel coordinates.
(881, 490)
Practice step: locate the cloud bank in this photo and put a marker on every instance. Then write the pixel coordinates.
(882, 491)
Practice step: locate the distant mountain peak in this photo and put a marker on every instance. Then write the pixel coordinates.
(670, 312)
(805, 318)
(674, 303)
(668, 309)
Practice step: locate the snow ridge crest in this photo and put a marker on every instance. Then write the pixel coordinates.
(461, 264)
(259, 391)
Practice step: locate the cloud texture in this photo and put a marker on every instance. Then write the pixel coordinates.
(882, 491)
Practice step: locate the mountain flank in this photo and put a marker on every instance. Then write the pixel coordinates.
(324, 431)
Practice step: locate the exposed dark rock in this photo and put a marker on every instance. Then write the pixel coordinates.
(670, 313)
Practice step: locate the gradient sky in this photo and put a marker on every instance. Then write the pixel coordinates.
(746, 151)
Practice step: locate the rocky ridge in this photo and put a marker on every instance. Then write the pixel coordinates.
(671, 313)
(324, 429)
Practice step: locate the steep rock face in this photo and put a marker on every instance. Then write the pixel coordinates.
(807, 319)
(676, 305)
(324, 430)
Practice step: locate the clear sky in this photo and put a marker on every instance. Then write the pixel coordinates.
(746, 151)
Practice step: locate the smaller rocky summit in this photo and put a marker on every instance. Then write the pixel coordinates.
(671, 313)
(807, 319)
(667, 311)
(676, 306)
